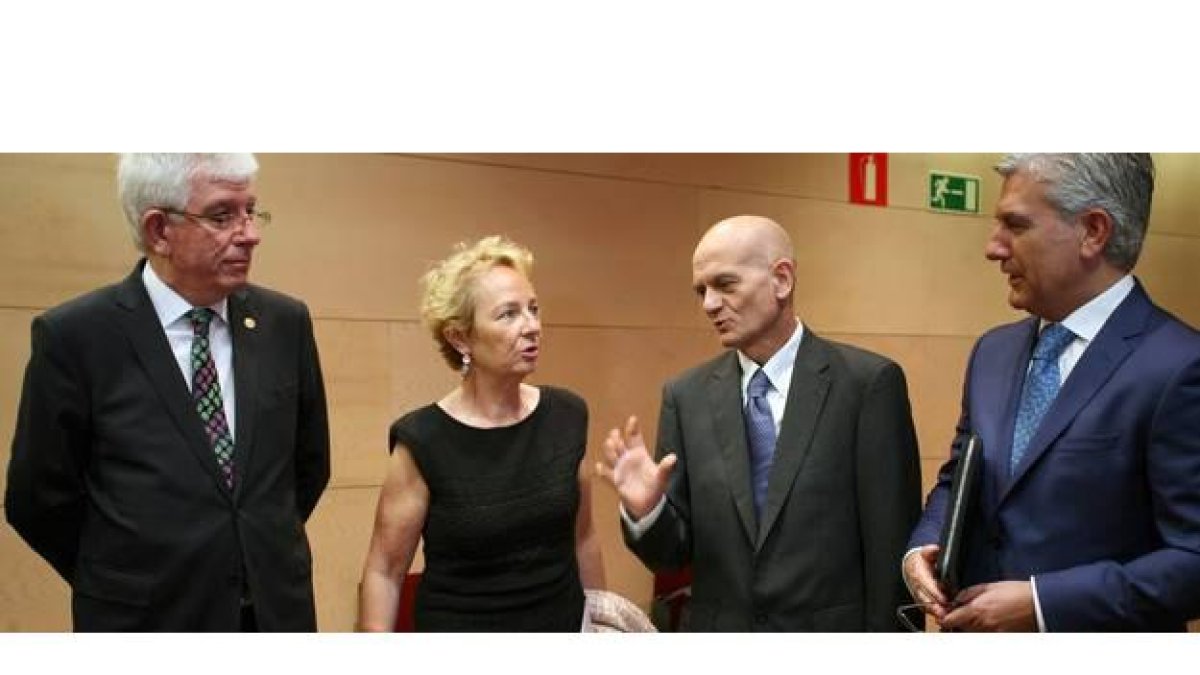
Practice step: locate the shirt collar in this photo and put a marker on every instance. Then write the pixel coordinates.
(1086, 321)
(778, 368)
(169, 305)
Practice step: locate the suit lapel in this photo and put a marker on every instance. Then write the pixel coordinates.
(245, 328)
(725, 397)
(153, 352)
(1112, 345)
(806, 398)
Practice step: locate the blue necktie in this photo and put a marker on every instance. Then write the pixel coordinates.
(1041, 386)
(760, 432)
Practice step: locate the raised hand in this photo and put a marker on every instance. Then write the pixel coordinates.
(640, 482)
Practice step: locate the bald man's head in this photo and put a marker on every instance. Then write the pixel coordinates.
(743, 270)
(754, 239)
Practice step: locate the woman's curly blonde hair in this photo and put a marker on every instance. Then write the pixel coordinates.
(448, 288)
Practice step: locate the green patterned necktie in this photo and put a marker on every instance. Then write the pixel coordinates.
(206, 392)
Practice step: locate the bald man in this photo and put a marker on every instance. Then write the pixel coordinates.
(788, 475)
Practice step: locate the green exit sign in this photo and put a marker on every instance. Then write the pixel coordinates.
(953, 192)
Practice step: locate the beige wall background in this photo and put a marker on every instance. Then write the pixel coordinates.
(612, 234)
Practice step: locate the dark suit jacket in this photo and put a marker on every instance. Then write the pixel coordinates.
(1105, 507)
(843, 493)
(113, 480)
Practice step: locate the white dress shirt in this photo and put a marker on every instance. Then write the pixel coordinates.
(1087, 321)
(172, 311)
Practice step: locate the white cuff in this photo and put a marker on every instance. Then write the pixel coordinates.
(638, 528)
(1037, 606)
(904, 576)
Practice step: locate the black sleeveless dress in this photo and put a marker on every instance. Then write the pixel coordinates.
(500, 528)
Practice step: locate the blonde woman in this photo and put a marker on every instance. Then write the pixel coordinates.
(492, 475)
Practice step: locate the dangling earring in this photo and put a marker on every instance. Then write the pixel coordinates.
(466, 364)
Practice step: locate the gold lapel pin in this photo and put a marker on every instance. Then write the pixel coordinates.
(249, 322)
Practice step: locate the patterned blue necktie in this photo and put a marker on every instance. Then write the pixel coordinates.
(1041, 386)
(760, 432)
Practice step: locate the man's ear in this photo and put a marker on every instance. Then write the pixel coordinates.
(783, 275)
(154, 232)
(1097, 231)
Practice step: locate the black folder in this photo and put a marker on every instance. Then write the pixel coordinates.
(964, 491)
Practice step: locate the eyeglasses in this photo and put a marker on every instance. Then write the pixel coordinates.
(225, 220)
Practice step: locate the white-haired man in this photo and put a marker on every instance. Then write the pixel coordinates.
(172, 437)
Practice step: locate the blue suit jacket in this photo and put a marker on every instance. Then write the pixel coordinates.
(1104, 510)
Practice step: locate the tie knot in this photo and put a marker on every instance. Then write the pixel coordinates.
(1054, 339)
(759, 384)
(200, 318)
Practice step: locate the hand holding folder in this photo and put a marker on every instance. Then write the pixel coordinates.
(964, 490)
(946, 570)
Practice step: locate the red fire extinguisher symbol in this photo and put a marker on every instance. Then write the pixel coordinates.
(868, 178)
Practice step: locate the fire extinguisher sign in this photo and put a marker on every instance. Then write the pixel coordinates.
(868, 178)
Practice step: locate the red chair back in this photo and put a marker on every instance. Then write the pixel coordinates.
(408, 603)
(672, 591)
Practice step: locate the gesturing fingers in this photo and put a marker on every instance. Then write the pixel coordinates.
(631, 428)
(603, 471)
(665, 468)
(614, 447)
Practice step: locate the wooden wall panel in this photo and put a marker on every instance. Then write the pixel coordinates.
(358, 363)
(32, 596)
(419, 376)
(823, 176)
(819, 176)
(339, 533)
(1169, 270)
(816, 175)
(61, 228)
(862, 269)
(1176, 209)
(14, 354)
(597, 242)
(929, 472)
